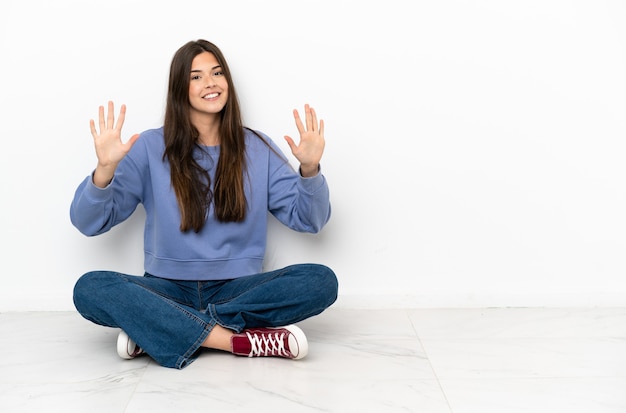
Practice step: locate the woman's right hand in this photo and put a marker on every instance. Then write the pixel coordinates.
(110, 149)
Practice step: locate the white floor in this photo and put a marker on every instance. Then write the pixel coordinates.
(449, 360)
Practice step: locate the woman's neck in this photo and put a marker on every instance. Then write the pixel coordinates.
(209, 132)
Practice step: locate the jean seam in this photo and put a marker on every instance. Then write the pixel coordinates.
(213, 314)
(185, 358)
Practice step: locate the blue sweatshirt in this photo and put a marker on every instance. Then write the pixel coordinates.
(219, 250)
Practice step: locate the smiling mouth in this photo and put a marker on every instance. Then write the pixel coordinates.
(211, 96)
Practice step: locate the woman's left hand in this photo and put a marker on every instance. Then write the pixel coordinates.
(311, 147)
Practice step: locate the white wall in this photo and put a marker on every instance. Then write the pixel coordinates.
(475, 149)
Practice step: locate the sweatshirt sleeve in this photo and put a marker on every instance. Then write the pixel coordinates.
(302, 204)
(95, 210)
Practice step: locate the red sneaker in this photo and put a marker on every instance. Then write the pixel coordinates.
(289, 342)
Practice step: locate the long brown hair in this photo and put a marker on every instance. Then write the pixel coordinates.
(192, 183)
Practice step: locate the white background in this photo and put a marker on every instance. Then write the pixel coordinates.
(475, 149)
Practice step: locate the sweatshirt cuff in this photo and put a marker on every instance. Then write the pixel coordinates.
(95, 193)
(313, 183)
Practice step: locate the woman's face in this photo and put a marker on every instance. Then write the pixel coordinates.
(208, 88)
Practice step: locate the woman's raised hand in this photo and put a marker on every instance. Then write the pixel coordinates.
(311, 147)
(110, 149)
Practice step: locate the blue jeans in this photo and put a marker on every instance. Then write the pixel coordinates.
(170, 319)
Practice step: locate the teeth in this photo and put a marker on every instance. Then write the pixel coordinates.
(211, 95)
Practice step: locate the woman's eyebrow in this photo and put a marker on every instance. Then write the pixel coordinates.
(199, 70)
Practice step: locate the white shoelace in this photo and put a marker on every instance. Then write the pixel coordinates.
(267, 345)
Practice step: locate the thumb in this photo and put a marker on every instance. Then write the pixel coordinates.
(133, 139)
(291, 143)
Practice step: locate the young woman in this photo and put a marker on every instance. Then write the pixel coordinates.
(206, 183)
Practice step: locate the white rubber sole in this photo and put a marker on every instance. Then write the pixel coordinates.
(125, 346)
(297, 340)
